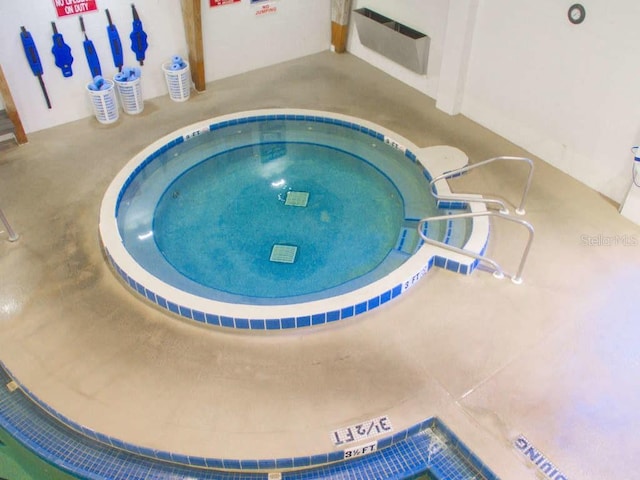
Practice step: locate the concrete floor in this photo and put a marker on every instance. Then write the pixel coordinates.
(555, 359)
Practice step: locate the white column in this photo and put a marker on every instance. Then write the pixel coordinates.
(461, 21)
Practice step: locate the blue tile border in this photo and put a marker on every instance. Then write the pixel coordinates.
(427, 446)
(314, 318)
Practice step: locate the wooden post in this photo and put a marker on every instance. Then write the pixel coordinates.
(192, 18)
(12, 112)
(340, 24)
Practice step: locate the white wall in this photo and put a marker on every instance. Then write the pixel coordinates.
(235, 41)
(428, 17)
(567, 93)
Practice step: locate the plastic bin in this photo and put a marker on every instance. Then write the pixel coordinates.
(105, 104)
(178, 82)
(130, 94)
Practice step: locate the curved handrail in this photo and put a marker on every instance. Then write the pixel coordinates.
(461, 197)
(498, 270)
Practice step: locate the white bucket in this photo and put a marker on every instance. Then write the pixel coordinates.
(130, 96)
(178, 82)
(105, 104)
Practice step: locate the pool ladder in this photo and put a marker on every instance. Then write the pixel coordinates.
(503, 213)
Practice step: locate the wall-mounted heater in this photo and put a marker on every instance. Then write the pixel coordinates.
(396, 41)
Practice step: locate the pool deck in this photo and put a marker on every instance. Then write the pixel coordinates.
(555, 359)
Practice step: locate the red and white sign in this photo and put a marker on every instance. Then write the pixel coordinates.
(65, 8)
(217, 3)
(266, 9)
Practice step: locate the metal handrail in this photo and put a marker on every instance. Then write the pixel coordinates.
(461, 197)
(13, 236)
(498, 270)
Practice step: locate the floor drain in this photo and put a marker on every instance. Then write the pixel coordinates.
(297, 199)
(283, 253)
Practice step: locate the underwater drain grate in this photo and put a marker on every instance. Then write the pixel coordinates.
(283, 253)
(297, 199)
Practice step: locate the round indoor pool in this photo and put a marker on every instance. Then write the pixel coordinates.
(271, 220)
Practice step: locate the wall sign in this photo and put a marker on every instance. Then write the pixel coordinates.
(74, 7)
(217, 3)
(266, 8)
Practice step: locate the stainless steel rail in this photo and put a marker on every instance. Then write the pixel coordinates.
(13, 236)
(461, 197)
(498, 271)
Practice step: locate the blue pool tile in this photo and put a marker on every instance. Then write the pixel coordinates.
(397, 290)
(257, 324)
(373, 303)
(288, 323)
(384, 442)
(398, 437)
(214, 463)
(199, 316)
(333, 316)
(385, 297)
(267, 464)
(249, 464)
(335, 456)
(242, 323)
(318, 319)
(319, 459)
(229, 463)
(453, 265)
(284, 463)
(304, 321)
(162, 455)
(212, 319)
(440, 261)
(118, 443)
(185, 312)
(273, 324)
(173, 307)
(150, 295)
(301, 462)
(226, 321)
(346, 312)
(361, 308)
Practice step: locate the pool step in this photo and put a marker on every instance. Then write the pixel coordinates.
(455, 232)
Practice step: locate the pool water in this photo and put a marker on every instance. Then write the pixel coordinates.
(327, 206)
(18, 463)
(274, 211)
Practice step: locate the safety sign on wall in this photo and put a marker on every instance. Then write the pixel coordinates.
(264, 7)
(74, 7)
(217, 3)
